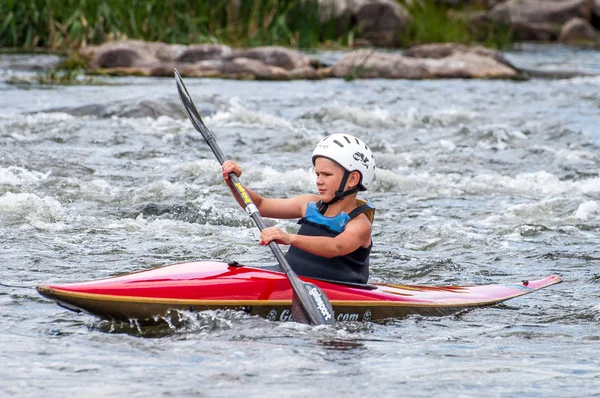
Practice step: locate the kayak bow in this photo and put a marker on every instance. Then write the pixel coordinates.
(151, 295)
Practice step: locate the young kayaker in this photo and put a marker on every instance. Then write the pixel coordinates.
(334, 240)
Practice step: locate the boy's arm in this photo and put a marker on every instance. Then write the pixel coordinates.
(277, 208)
(357, 234)
(271, 208)
(284, 208)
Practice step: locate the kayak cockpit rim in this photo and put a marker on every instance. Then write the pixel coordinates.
(364, 286)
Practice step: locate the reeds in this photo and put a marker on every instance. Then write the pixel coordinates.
(65, 24)
(71, 23)
(435, 22)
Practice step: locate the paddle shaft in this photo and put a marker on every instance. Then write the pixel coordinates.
(250, 207)
(316, 308)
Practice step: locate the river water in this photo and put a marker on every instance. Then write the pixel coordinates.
(478, 182)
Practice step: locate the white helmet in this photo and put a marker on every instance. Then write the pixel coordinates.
(350, 153)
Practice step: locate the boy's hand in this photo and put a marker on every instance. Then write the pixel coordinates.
(274, 234)
(230, 167)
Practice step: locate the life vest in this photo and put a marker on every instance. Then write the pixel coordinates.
(352, 267)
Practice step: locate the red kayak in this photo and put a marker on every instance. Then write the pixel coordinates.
(208, 285)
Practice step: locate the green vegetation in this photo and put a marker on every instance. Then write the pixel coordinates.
(434, 22)
(69, 72)
(69, 24)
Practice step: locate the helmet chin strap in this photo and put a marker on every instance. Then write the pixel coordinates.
(339, 194)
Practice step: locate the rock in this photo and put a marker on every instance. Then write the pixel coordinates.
(116, 58)
(471, 65)
(596, 8)
(442, 50)
(578, 30)
(369, 64)
(540, 11)
(333, 9)
(125, 54)
(435, 50)
(133, 57)
(340, 12)
(195, 53)
(537, 19)
(531, 31)
(381, 21)
(169, 52)
(276, 63)
(305, 72)
(274, 56)
(240, 67)
(483, 3)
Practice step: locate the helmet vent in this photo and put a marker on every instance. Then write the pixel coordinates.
(347, 139)
(339, 143)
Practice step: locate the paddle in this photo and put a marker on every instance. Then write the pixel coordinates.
(310, 304)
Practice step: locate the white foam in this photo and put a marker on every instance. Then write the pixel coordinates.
(160, 190)
(549, 212)
(379, 117)
(303, 179)
(587, 210)
(16, 176)
(499, 136)
(30, 207)
(448, 145)
(541, 184)
(374, 118)
(30, 127)
(237, 114)
(202, 166)
(129, 224)
(539, 209)
(96, 190)
(573, 155)
(580, 80)
(591, 185)
(47, 117)
(162, 125)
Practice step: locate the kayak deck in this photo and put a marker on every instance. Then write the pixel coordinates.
(208, 285)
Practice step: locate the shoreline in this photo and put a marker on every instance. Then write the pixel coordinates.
(285, 64)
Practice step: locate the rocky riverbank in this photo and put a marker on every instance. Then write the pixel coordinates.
(132, 57)
(382, 22)
(379, 23)
(568, 21)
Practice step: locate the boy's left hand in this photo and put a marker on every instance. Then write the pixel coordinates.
(276, 235)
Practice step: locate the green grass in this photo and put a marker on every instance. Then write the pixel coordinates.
(69, 24)
(434, 22)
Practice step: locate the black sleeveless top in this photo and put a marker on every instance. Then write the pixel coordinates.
(352, 267)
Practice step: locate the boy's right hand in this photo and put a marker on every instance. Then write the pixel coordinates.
(229, 166)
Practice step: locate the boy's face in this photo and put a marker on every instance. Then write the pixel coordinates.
(329, 175)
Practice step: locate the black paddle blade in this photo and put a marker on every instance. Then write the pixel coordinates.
(190, 108)
(319, 313)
